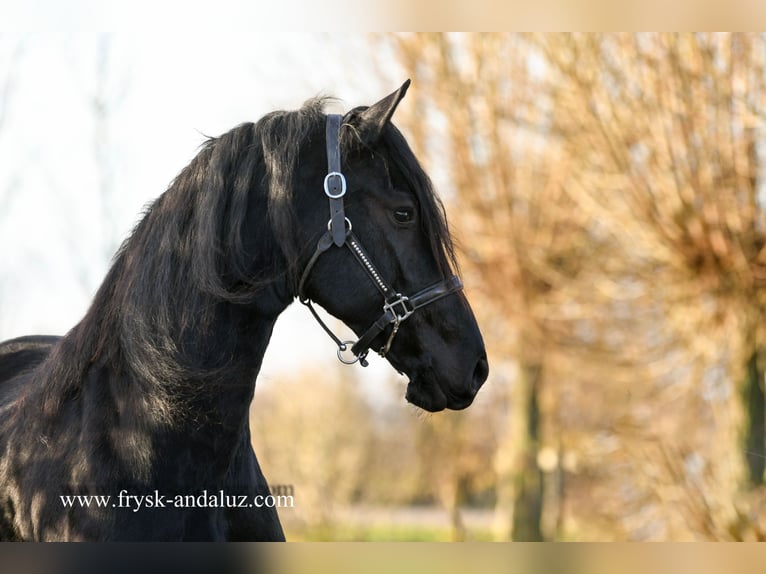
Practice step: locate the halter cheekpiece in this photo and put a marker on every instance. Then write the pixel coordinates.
(396, 307)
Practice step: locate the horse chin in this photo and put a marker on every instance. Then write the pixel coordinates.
(430, 397)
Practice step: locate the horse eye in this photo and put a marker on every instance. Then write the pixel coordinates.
(404, 214)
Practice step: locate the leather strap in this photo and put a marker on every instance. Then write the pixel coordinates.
(335, 183)
(324, 243)
(436, 292)
(422, 298)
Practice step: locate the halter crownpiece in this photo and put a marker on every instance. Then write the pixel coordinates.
(396, 307)
(334, 181)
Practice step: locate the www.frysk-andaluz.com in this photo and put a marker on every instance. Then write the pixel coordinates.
(282, 497)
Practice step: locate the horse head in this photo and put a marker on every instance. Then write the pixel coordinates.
(390, 275)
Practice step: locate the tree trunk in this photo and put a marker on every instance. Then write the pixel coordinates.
(552, 514)
(519, 489)
(449, 493)
(755, 432)
(528, 506)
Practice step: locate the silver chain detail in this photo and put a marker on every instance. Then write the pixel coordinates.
(373, 272)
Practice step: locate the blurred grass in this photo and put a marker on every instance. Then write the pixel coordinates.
(381, 533)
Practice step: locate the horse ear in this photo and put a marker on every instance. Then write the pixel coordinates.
(370, 122)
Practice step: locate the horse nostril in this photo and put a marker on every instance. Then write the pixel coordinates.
(480, 373)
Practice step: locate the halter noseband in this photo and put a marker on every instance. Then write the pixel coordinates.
(396, 307)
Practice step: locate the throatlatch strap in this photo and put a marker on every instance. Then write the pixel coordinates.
(335, 183)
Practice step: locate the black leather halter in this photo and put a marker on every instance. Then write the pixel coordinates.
(396, 307)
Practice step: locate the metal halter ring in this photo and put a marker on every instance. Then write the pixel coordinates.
(342, 348)
(342, 185)
(348, 222)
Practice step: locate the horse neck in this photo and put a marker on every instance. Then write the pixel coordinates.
(181, 367)
(203, 363)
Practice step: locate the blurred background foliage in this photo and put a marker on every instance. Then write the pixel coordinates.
(607, 194)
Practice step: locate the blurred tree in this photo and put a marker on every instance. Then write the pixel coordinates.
(606, 191)
(455, 451)
(521, 242)
(466, 83)
(313, 431)
(666, 131)
(319, 434)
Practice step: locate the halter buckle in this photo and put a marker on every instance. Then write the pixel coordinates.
(342, 191)
(402, 301)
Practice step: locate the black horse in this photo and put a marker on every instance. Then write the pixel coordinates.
(148, 395)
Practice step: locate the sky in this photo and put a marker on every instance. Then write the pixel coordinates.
(160, 94)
